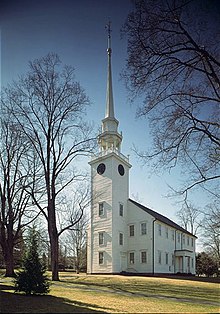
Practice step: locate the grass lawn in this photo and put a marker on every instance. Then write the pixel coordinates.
(114, 294)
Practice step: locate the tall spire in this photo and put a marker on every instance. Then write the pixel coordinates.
(109, 139)
(109, 95)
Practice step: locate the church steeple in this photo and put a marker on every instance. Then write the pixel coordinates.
(109, 95)
(109, 139)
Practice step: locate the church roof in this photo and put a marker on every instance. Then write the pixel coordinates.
(160, 217)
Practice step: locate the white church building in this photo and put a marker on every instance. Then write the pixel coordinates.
(125, 236)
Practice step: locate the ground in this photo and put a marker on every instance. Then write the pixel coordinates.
(113, 294)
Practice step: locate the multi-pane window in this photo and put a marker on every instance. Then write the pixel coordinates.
(101, 209)
(167, 234)
(143, 228)
(178, 237)
(121, 238)
(131, 230)
(101, 238)
(183, 238)
(121, 210)
(101, 258)
(166, 258)
(173, 235)
(191, 241)
(159, 257)
(159, 230)
(131, 257)
(143, 257)
(187, 240)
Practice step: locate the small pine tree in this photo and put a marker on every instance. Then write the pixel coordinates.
(32, 278)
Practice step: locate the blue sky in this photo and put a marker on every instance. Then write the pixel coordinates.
(75, 30)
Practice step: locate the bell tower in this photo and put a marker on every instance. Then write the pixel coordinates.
(107, 234)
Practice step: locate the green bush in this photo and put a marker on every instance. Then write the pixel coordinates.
(206, 265)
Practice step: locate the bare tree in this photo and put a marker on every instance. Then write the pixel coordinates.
(190, 217)
(48, 104)
(76, 242)
(174, 65)
(15, 171)
(211, 231)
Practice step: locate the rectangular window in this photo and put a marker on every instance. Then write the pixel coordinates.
(121, 240)
(172, 259)
(191, 241)
(192, 262)
(101, 209)
(131, 257)
(121, 210)
(143, 228)
(159, 230)
(159, 257)
(144, 257)
(131, 230)
(167, 258)
(178, 237)
(173, 235)
(187, 240)
(101, 238)
(183, 238)
(101, 258)
(167, 232)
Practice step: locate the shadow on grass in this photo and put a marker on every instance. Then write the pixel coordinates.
(11, 302)
(191, 278)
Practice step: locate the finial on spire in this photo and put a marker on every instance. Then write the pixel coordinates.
(109, 30)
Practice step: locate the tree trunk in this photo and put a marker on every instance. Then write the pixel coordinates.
(7, 245)
(54, 243)
(54, 257)
(9, 260)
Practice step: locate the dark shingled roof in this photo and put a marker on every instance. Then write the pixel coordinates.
(161, 217)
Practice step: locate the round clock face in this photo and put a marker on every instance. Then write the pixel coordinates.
(121, 170)
(101, 168)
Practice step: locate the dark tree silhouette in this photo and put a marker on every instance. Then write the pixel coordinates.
(206, 264)
(48, 105)
(15, 171)
(32, 278)
(174, 65)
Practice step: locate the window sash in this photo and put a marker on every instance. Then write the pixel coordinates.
(121, 238)
(121, 210)
(101, 209)
(167, 232)
(183, 238)
(143, 228)
(101, 238)
(159, 257)
(101, 258)
(131, 230)
(131, 257)
(144, 257)
(159, 230)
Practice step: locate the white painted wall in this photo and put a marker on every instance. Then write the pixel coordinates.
(112, 189)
